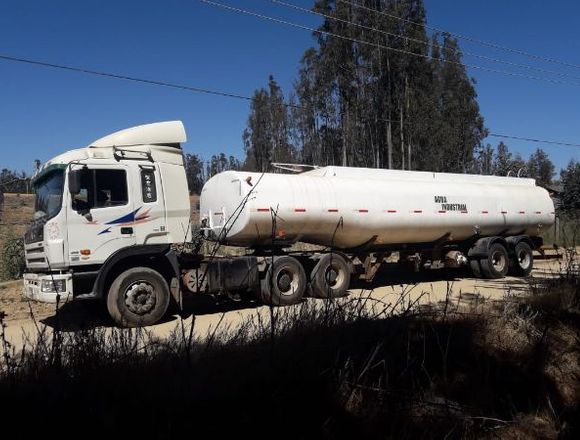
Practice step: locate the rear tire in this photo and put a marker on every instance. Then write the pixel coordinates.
(138, 297)
(496, 264)
(522, 262)
(285, 282)
(330, 277)
(475, 268)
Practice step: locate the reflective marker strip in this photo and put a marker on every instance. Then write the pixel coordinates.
(391, 211)
(504, 212)
(522, 212)
(464, 212)
(299, 209)
(538, 212)
(333, 210)
(485, 212)
(442, 212)
(363, 210)
(417, 211)
(263, 209)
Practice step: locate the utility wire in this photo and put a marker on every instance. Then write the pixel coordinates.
(464, 37)
(423, 42)
(123, 77)
(540, 141)
(380, 46)
(207, 91)
(137, 79)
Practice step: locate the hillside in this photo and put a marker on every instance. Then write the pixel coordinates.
(15, 214)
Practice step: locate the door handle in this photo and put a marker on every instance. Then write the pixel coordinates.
(126, 231)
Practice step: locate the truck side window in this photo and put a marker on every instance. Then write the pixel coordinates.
(101, 189)
(110, 188)
(148, 188)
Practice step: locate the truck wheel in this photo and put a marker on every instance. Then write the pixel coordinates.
(285, 282)
(496, 264)
(330, 277)
(138, 297)
(522, 261)
(475, 268)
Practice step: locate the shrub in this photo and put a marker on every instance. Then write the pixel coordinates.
(12, 261)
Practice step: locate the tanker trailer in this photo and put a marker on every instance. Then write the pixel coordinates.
(362, 215)
(112, 223)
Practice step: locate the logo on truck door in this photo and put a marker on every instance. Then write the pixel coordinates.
(131, 218)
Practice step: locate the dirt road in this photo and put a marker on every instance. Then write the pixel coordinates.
(24, 319)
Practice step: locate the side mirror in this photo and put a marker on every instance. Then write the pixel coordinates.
(74, 181)
(75, 178)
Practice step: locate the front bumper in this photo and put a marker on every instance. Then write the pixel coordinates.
(32, 287)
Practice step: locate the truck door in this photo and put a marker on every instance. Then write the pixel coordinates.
(101, 217)
(150, 221)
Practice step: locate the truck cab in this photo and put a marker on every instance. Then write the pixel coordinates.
(123, 197)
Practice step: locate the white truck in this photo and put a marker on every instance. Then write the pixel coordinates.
(108, 218)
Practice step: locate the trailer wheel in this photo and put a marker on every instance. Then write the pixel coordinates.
(522, 261)
(330, 277)
(138, 297)
(285, 282)
(475, 268)
(496, 264)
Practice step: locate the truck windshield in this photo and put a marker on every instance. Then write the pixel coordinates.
(49, 195)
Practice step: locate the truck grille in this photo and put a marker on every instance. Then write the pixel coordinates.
(35, 256)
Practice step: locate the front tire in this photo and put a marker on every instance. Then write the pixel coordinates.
(496, 264)
(138, 297)
(285, 282)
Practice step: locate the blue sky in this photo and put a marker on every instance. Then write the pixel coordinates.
(44, 112)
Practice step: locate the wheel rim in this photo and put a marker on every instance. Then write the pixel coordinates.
(524, 259)
(334, 276)
(140, 297)
(498, 261)
(287, 282)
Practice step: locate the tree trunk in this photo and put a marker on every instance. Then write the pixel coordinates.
(344, 129)
(389, 145)
(408, 134)
(402, 138)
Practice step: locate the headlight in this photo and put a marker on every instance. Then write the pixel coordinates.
(53, 286)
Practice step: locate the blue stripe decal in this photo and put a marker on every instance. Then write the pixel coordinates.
(125, 219)
(106, 231)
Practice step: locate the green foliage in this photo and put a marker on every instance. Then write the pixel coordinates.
(267, 136)
(540, 167)
(571, 187)
(194, 172)
(220, 163)
(502, 163)
(12, 258)
(361, 105)
(14, 182)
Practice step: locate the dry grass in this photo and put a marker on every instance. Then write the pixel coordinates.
(508, 369)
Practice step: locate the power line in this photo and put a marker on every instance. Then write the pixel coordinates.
(134, 79)
(210, 92)
(123, 77)
(422, 42)
(540, 141)
(380, 46)
(466, 38)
